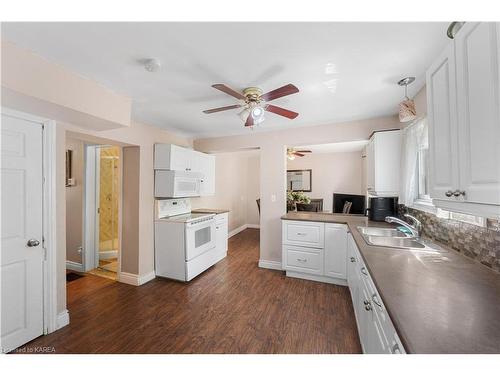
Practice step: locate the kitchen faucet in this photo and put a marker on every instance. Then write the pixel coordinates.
(414, 229)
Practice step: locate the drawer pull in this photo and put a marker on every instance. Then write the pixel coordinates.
(353, 260)
(301, 234)
(368, 307)
(363, 271)
(301, 260)
(375, 300)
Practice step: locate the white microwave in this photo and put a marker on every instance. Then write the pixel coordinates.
(177, 184)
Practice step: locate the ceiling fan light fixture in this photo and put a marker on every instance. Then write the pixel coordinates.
(243, 115)
(257, 115)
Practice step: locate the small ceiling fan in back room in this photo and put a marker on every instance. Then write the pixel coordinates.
(291, 153)
(254, 103)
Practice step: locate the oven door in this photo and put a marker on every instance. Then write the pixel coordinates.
(200, 237)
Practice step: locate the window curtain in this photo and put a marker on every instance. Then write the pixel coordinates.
(414, 138)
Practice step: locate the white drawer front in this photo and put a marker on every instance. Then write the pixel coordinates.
(304, 233)
(304, 261)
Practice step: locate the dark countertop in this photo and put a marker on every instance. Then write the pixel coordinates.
(210, 211)
(438, 302)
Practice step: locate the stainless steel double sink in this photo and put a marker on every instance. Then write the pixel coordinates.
(388, 237)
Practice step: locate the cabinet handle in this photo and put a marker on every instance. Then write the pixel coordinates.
(458, 193)
(366, 302)
(301, 260)
(449, 193)
(363, 271)
(368, 307)
(375, 300)
(301, 234)
(353, 260)
(395, 349)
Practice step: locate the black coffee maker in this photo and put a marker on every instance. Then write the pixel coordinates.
(381, 207)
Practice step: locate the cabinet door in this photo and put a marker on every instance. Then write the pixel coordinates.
(477, 61)
(335, 250)
(207, 167)
(180, 158)
(370, 166)
(221, 233)
(442, 117)
(351, 262)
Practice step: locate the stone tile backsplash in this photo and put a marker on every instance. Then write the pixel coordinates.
(479, 243)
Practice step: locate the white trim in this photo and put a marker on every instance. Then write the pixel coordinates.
(136, 280)
(62, 319)
(74, 266)
(147, 277)
(323, 279)
(108, 254)
(270, 264)
(242, 228)
(237, 230)
(89, 204)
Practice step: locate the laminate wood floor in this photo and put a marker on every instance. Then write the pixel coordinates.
(234, 307)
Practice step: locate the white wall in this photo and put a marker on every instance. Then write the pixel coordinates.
(338, 172)
(236, 187)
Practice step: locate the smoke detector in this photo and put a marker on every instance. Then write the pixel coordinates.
(152, 65)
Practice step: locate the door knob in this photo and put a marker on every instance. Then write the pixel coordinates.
(449, 193)
(458, 193)
(33, 242)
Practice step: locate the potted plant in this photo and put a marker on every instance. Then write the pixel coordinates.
(294, 197)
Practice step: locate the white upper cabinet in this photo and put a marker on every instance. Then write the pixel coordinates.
(443, 137)
(383, 158)
(175, 158)
(477, 54)
(335, 250)
(464, 122)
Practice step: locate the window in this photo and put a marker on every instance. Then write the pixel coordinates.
(423, 173)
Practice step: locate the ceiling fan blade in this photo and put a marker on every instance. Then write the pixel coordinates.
(298, 154)
(213, 110)
(229, 91)
(249, 120)
(278, 93)
(304, 151)
(281, 111)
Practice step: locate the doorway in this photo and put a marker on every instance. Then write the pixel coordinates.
(93, 204)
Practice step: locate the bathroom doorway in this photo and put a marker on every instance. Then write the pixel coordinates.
(102, 205)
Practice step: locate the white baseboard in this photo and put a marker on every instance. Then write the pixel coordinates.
(323, 279)
(62, 319)
(108, 254)
(270, 264)
(136, 280)
(242, 228)
(74, 266)
(237, 230)
(147, 277)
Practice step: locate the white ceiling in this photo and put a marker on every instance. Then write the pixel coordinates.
(345, 71)
(326, 148)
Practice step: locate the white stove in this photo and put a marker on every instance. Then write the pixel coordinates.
(184, 241)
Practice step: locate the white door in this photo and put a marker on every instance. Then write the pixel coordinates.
(442, 116)
(335, 250)
(478, 52)
(22, 252)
